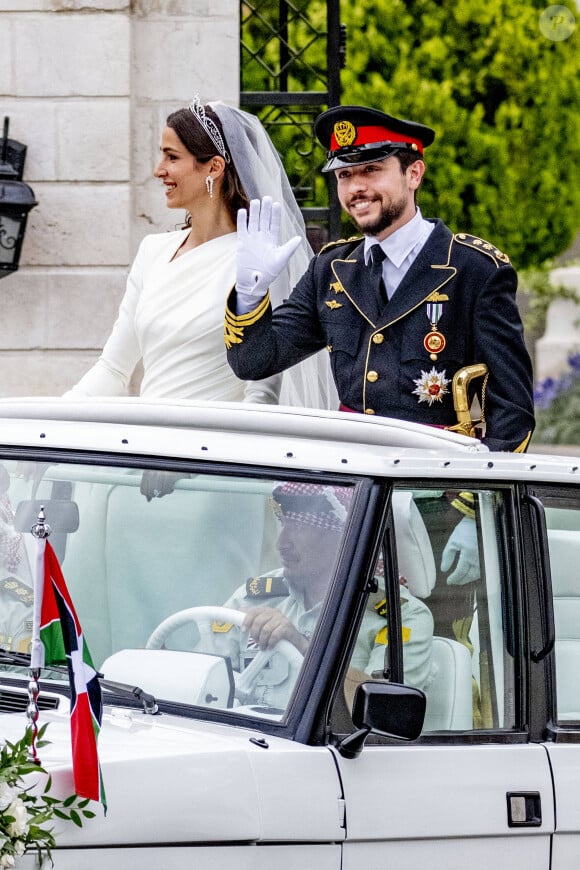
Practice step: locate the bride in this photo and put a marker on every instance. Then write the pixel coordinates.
(214, 159)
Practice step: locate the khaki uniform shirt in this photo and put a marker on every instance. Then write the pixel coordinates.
(274, 684)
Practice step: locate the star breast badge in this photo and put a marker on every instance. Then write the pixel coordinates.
(431, 386)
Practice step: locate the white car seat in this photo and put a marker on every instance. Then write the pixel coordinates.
(564, 561)
(449, 695)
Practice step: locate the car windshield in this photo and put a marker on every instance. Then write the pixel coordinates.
(182, 581)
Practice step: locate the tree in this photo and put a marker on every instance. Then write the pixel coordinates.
(503, 98)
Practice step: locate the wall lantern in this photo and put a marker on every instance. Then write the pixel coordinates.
(16, 200)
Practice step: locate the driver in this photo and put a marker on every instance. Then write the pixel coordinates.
(286, 604)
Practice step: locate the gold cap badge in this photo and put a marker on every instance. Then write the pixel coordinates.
(344, 133)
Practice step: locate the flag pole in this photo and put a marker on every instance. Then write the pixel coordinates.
(40, 530)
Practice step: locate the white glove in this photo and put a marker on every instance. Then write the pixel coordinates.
(462, 545)
(260, 258)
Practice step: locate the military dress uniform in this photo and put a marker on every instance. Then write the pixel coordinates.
(455, 306)
(16, 599)
(16, 594)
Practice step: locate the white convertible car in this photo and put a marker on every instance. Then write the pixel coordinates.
(324, 641)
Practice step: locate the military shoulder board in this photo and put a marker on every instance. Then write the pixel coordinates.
(15, 589)
(483, 246)
(266, 587)
(352, 241)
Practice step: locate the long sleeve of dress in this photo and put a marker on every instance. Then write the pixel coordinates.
(171, 319)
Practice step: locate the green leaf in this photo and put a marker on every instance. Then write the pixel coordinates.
(497, 93)
(42, 730)
(74, 816)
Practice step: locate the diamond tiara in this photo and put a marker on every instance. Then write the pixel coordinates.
(197, 109)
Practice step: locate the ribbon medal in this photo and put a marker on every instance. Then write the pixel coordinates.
(434, 342)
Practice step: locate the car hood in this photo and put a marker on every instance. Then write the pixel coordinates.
(178, 780)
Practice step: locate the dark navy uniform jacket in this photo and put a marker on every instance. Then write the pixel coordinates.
(380, 359)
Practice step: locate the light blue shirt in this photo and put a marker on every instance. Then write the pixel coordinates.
(401, 249)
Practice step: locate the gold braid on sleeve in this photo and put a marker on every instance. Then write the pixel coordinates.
(235, 324)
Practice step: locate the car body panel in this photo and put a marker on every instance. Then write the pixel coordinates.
(205, 786)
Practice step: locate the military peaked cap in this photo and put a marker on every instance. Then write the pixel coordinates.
(353, 135)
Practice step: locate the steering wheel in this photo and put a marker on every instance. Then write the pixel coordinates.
(203, 616)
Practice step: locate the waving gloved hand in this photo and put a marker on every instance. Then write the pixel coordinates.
(260, 257)
(462, 549)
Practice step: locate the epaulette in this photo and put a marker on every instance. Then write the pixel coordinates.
(464, 502)
(266, 587)
(17, 590)
(352, 240)
(483, 246)
(381, 607)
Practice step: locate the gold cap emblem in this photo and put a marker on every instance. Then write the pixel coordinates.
(344, 133)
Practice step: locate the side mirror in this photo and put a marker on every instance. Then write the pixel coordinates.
(389, 709)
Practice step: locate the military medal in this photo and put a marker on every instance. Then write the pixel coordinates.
(431, 386)
(434, 342)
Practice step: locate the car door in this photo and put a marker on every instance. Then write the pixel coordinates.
(474, 791)
(561, 508)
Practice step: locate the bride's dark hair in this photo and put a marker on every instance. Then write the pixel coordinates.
(184, 123)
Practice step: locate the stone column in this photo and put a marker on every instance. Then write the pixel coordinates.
(562, 335)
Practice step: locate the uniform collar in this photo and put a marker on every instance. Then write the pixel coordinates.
(399, 245)
(430, 271)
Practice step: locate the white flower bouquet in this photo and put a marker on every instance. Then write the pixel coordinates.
(25, 813)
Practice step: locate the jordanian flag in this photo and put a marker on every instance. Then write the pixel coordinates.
(64, 643)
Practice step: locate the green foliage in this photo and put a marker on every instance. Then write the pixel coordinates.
(26, 814)
(503, 98)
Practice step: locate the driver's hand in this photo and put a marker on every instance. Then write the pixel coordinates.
(266, 626)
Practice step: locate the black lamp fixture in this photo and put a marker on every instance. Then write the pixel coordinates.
(16, 200)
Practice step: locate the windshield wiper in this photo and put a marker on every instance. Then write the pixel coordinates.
(147, 701)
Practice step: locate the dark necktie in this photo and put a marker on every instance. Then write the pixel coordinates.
(377, 256)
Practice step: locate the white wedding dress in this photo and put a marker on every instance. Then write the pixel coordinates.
(172, 317)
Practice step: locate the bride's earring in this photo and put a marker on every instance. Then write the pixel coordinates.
(209, 185)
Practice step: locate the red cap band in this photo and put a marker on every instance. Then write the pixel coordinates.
(368, 135)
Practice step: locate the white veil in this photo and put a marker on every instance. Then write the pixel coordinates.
(309, 384)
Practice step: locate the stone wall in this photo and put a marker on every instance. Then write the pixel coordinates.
(562, 335)
(87, 85)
